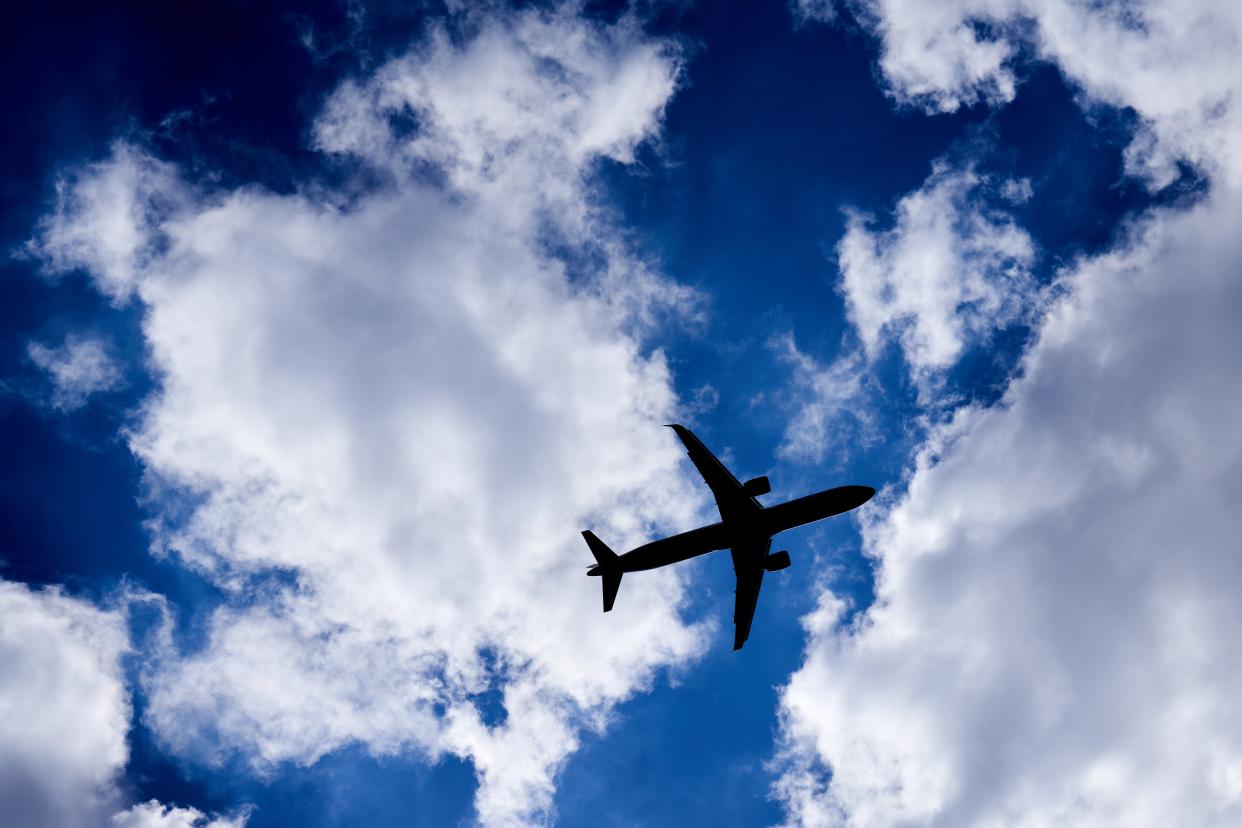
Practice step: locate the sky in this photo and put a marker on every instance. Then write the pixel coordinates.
(325, 328)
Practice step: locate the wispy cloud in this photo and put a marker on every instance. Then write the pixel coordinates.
(106, 218)
(831, 403)
(78, 367)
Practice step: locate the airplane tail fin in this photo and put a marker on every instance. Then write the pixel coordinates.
(605, 567)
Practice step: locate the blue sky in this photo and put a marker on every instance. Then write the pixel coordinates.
(327, 327)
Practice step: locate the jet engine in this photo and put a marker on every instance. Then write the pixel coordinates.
(756, 486)
(776, 561)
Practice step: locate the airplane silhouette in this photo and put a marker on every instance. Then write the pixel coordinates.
(746, 528)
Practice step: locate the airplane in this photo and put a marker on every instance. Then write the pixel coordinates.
(746, 528)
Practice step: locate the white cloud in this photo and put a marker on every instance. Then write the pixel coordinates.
(1174, 62)
(804, 10)
(153, 814)
(104, 221)
(66, 712)
(411, 406)
(1054, 636)
(949, 272)
(943, 277)
(496, 115)
(831, 405)
(78, 367)
(64, 708)
(1017, 190)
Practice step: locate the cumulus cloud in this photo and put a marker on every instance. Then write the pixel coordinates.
(1052, 640)
(605, 97)
(153, 814)
(64, 707)
(944, 276)
(66, 713)
(380, 425)
(78, 367)
(1174, 63)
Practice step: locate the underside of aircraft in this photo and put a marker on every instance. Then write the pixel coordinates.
(746, 529)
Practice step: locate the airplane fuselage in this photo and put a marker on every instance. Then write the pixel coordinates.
(762, 525)
(746, 529)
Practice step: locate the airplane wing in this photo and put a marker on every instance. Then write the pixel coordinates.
(748, 567)
(727, 489)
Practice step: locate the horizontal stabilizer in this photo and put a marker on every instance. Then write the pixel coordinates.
(612, 582)
(606, 566)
